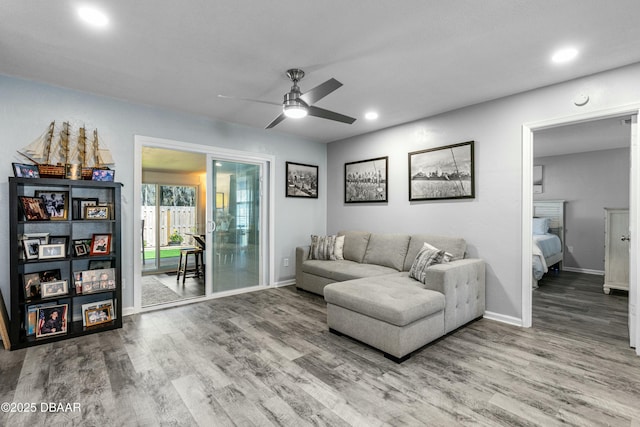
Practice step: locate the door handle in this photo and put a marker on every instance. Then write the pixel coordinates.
(626, 238)
(211, 226)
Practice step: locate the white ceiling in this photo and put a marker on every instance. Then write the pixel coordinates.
(595, 135)
(406, 59)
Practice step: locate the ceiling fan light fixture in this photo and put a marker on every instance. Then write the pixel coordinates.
(293, 107)
(295, 111)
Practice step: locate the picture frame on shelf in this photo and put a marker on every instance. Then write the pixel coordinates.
(60, 240)
(73, 171)
(98, 304)
(56, 203)
(96, 212)
(54, 289)
(80, 248)
(43, 237)
(98, 280)
(33, 208)
(50, 275)
(301, 180)
(365, 181)
(21, 170)
(31, 317)
(104, 175)
(97, 316)
(31, 248)
(441, 173)
(52, 320)
(79, 203)
(100, 244)
(31, 285)
(51, 251)
(99, 264)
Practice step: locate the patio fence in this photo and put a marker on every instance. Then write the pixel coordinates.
(172, 218)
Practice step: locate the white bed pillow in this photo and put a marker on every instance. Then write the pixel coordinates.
(540, 225)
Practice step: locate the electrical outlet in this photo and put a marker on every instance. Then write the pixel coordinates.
(286, 262)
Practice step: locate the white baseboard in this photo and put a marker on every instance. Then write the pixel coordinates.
(284, 283)
(128, 311)
(583, 270)
(502, 318)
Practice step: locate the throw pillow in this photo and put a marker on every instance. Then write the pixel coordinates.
(428, 255)
(322, 247)
(540, 225)
(338, 249)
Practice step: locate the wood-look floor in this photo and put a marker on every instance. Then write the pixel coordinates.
(266, 358)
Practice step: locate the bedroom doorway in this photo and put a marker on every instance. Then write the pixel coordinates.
(627, 112)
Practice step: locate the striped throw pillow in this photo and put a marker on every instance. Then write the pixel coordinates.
(428, 255)
(322, 247)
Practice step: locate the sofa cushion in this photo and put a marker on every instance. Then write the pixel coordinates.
(400, 304)
(387, 249)
(340, 271)
(355, 244)
(454, 245)
(322, 247)
(338, 249)
(427, 256)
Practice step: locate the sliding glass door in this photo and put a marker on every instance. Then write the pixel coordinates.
(235, 225)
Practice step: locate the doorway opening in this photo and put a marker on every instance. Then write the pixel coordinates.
(527, 206)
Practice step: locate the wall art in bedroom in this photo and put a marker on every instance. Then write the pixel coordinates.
(442, 173)
(365, 181)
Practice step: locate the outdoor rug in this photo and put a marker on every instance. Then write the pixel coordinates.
(154, 292)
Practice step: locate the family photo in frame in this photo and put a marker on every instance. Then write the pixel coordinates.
(100, 244)
(51, 320)
(56, 203)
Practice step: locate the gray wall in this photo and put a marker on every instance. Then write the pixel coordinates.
(27, 108)
(491, 223)
(588, 182)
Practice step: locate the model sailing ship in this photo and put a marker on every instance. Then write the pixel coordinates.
(56, 149)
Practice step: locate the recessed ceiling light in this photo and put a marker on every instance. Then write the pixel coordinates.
(93, 16)
(564, 55)
(371, 115)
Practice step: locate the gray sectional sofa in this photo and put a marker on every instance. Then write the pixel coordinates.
(370, 296)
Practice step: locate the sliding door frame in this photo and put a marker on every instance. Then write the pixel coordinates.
(268, 196)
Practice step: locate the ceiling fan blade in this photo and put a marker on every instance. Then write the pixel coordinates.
(317, 93)
(250, 100)
(331, 115)
(277, 120)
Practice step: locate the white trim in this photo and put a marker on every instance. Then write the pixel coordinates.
(148, 141)
(502, 318)
(584, 270)
(527, 201)
(285, 283)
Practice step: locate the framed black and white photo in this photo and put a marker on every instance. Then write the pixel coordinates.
(31, 248)
(442, 173)
(302, 180)
(56, 203)
(366, 181)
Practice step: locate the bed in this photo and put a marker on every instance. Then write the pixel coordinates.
(548, 237)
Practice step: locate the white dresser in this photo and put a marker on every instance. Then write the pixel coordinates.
(616, 250)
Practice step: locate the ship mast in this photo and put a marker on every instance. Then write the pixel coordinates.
(82, 146)
(48, 141)
(96, 153)
(64, 142)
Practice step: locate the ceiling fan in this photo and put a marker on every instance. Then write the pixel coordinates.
(297, 104)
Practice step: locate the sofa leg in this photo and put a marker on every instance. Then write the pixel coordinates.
(397, 359)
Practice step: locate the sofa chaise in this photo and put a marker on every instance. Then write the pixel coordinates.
(370, 285)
